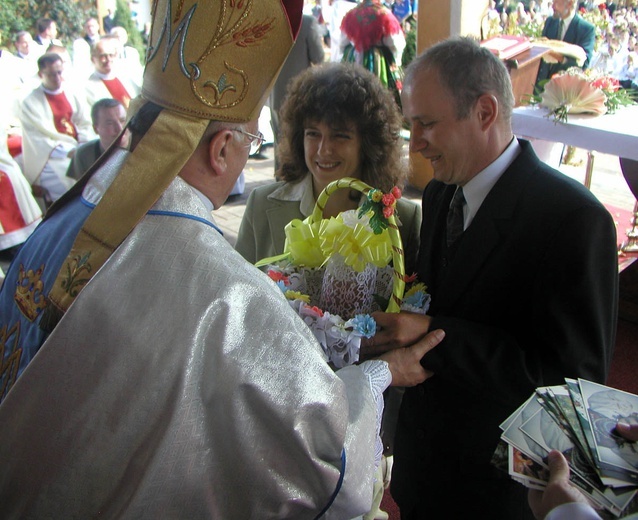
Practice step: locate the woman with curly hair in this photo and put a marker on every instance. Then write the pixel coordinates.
(337, 121)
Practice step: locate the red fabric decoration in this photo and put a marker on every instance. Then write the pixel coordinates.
(117, 91)
(62, 114)
(10, 214)
(367, 24)
(14, 143)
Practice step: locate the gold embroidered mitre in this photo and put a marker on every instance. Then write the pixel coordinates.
(218, 59)
(207, 60)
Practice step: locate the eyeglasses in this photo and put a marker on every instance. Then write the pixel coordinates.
(255, 140)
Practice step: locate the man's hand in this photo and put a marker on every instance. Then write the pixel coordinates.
(405, 363)
(628, 431)
(559, 491)
(395, 330)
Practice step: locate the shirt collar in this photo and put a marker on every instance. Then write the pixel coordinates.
(476, 190)
(111, 75)
(53, 92)
(567, 21)
(300, 191)
(210, 207)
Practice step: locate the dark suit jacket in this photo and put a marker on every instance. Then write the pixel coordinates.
(580, 32)
(85, 155)
(528, 297)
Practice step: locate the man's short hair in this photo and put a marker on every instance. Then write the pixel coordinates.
(468, 71)
(20, 34)
(43, 24)
(103, 39)
(47, 59)
(101, 104)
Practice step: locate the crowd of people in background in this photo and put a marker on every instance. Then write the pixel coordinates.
(99, 64)
(616, 24)
(49, 90)
(615, 52)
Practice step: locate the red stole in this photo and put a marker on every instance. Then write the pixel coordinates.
(117, 91)
(10, 214)
(62, 114)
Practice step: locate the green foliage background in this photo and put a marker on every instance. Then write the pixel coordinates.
(21, 15)
(124, 19)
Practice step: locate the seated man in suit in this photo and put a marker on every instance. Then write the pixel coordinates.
(108, 117)
(521, 265)
(566, 25)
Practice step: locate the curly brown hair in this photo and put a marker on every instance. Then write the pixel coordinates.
(339, 94)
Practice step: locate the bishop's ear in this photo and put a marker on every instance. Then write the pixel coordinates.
(219, 151)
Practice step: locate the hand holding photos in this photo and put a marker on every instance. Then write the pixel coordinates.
(578, 419)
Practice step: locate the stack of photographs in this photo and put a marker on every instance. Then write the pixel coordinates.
(578, 419)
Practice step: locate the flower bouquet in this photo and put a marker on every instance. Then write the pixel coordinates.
(575, 91)
(335, 272)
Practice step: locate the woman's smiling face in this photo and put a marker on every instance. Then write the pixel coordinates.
(332, 153)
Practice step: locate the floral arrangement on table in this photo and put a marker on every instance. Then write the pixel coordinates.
(335, 272)
(577, 91)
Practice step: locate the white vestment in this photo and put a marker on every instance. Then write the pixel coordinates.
(82, 63)
(180, 384)
(96, 90)
(42, 144)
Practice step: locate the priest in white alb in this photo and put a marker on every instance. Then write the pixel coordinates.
(54, 120)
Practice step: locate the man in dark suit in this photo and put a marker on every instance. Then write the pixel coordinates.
(523, 280)
(47, 31)
(108, 116)
(566, 25)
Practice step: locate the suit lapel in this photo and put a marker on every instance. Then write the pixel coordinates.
(555, 26)
(490, 227)
(570, 33)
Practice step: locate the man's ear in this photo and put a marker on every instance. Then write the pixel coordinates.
(219, 150)
(487, 110)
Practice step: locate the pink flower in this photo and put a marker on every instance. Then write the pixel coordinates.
(313, 311)
(388, 201)
(388, 211)
(396, 192)
(606, 83)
